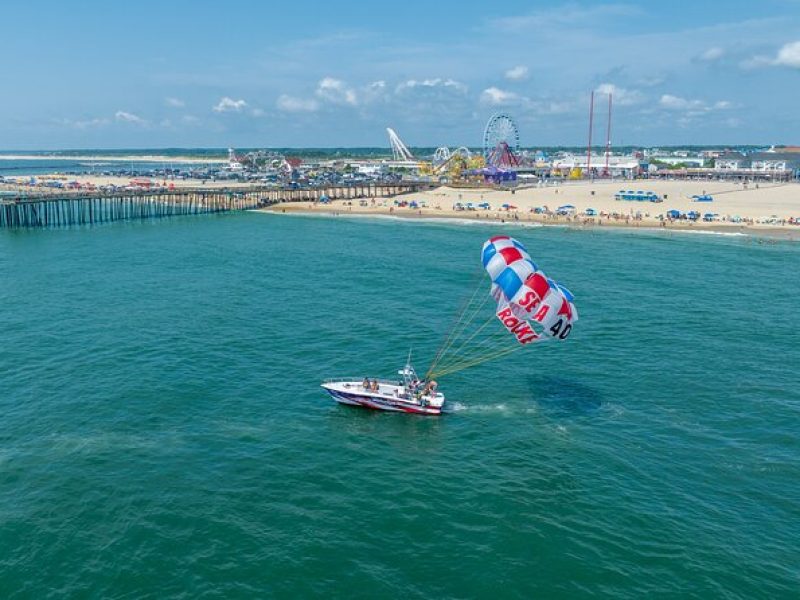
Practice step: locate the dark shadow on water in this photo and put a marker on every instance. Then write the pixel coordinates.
(562, 398)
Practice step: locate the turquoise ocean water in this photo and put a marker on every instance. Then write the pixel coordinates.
(163, 433)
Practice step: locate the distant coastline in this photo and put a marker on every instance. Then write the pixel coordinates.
(114, 158)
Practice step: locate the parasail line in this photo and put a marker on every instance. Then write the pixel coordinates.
(474, 353)
(464, 307)
(471, 337)
(460, 324)
(463, 327)
(481, 346)
(481, 359)
(461, 367)
(455, 354)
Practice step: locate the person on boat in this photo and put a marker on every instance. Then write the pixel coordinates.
(375, 387)
(430, 388)
(365, 383)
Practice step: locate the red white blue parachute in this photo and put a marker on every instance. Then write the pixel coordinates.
(530, 305)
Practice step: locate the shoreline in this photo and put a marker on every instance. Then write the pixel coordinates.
(759, 210)
(334, 210)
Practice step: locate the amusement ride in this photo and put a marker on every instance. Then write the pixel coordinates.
(501, 141)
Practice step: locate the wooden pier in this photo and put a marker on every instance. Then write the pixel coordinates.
(67, 208)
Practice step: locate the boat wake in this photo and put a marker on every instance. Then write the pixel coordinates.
(460, 407)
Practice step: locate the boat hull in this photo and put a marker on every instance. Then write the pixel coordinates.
(377, 401)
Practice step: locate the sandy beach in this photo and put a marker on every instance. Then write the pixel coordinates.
(765, 209)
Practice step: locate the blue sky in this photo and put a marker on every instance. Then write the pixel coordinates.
(182, 74)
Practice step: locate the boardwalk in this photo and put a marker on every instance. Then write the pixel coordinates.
(65, 208)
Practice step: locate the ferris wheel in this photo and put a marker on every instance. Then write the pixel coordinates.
(500, 129)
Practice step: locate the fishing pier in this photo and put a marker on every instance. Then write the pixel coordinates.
(37, 208)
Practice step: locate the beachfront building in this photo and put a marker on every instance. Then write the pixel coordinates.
(771, 164)
(762, 162)
(678, 158)
(774, 161)
(577, 164)
(730, 161)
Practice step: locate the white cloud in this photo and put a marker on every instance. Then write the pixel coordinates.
(712, 54)
(757, 62)
(375, 91)
(257, 112)
(127, 117)
(496, 97)
(517, 73)
(84, 123)
(620, 96)
(336, 91)
(174, 102)
(332, 91)
(541, 106)
(292, 104)
(227, 104)
(438, 82)
(670, 102)
(789, 55)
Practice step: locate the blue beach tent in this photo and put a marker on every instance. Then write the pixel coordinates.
(565, 209)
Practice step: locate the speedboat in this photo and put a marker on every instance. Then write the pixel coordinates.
(407, 394)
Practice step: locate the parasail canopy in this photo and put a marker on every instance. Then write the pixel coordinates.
(531, 307)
